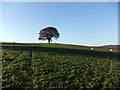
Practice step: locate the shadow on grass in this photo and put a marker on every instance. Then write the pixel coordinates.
(64, 51)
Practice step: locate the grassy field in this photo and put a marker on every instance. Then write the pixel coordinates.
(59, 66)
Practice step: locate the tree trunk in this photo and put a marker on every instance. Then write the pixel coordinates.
(49, 40)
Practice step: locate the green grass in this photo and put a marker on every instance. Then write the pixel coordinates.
(59, 66)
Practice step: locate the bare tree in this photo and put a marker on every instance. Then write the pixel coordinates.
(48, 33)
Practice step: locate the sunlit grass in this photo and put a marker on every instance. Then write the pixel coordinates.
(48, 66)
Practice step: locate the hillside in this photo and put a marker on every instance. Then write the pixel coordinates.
(105, 48)
(59, 66)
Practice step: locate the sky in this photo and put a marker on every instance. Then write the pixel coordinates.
(80, 23)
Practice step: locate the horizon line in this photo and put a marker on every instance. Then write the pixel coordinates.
(61, 43)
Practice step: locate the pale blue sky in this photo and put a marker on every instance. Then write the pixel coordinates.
(87, 23)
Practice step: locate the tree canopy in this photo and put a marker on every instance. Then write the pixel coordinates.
(48, 33)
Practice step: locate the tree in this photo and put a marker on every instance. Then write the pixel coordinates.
(48, 33)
